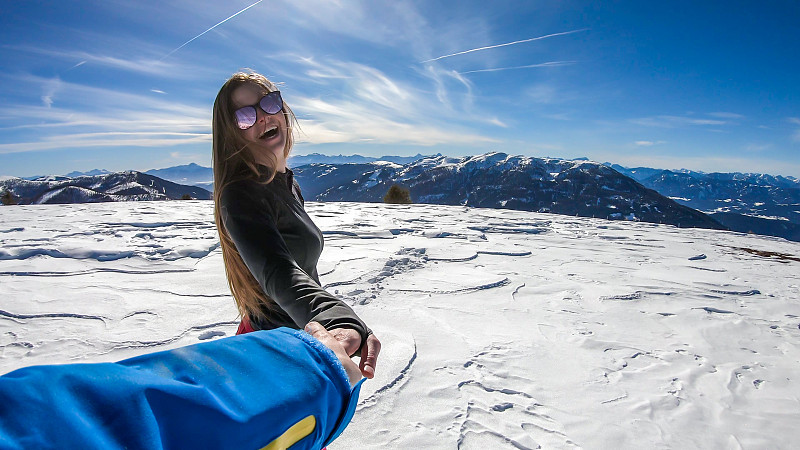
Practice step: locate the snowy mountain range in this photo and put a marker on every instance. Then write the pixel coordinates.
(497, 180)
(196, 175)
(113, 187)
(757, 203)
(765, 204)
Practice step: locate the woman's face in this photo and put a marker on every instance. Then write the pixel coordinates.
(268, 135)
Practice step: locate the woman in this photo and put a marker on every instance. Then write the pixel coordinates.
(270, 246)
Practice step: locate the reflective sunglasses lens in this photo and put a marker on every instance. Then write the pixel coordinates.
(245, 117)
(271, 103)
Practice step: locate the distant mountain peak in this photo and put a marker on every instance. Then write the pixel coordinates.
(296, 160)
(92, 172)
(118, 186)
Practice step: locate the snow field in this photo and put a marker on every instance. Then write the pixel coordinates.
(500, 328)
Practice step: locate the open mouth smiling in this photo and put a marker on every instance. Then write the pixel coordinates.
(269, 133)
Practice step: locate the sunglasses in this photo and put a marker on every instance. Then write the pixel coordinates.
(270, 104)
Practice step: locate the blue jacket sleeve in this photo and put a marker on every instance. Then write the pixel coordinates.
(279, 387)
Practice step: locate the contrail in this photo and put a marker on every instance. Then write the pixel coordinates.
(547, 64)
(77, 65)
(204, 32)
(503, 45)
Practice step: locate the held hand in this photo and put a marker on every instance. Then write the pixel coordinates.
(369, 356)
(321, 334)
(350, 340)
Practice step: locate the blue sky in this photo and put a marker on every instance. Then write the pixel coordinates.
(109, 84)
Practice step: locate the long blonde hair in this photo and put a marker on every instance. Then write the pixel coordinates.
(232, 161)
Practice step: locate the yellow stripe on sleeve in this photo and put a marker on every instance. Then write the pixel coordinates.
(293, 435)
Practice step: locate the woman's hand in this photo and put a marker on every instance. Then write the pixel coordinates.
(370, 349)
(321, 334)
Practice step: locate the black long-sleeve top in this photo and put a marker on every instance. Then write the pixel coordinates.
(281, 245)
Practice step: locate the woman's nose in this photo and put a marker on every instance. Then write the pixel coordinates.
(260, 114)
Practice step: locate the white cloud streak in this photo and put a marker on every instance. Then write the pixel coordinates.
(726, 115)
(649, 143)
(77, 65)
(529, 66)
(204, 32)
(141, 65)
(675, 121)
(66, 142)
(558, 116)
(502, 45)
(498, 122)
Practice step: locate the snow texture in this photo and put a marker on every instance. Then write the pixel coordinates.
(500, 328)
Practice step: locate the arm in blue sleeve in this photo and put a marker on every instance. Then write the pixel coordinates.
(249, 391)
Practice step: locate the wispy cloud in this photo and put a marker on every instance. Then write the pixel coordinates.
(353, 122)
(544, 93)
(691, 119)
(204, 32)
(135, 64)
(366, 83)
(676, 121)
(502, 45)
(529, 66)
(179, 155)
(757, 147)
(796, 134)
(648, 143)
(371, 106)
(111, 141)
(726, 115)
(99, 117)
(49, 88)
(557, 116)
(347, 121)
(498, 122)
(401, 25)
(443, 79)
(380, 130)
(402, 98)
(700, 121)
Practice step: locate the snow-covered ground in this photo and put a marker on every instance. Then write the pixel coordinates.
(501, 329)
